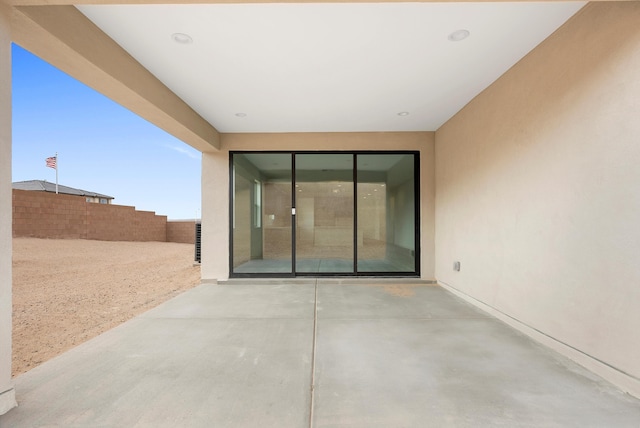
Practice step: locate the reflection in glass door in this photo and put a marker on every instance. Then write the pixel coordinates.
(324, 213)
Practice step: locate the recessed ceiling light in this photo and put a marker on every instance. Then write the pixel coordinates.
(241, 114)
(183, 39)
(403, 113)
(459, 35)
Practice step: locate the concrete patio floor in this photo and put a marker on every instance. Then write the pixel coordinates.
(320, 353)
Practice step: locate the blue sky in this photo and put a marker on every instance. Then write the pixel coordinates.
(102, 147)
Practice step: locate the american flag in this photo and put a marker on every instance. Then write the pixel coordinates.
(52, 162)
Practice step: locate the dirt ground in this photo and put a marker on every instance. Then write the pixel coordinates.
(68, 291)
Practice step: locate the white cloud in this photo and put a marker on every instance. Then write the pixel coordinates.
(193, 154)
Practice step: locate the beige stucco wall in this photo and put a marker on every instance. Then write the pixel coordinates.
(215, 185)
(538, 192)
(7, 394)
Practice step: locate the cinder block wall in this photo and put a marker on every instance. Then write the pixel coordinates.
(150, 227)
(110, 223)
(47, 215)
(181, 231)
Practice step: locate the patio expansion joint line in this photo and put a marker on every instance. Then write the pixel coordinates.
(313, 354)
(329, 318)
(222, 318)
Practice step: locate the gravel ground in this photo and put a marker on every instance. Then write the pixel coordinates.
(66, 292)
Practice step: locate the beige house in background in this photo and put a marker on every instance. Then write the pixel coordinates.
(520, 143)
(45, 186)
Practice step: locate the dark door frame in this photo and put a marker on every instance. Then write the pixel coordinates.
(355, 273)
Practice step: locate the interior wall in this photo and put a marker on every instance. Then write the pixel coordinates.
(537, 192)
(242, 223)
(215, 182)
(277, 224)
(400, 179)
(247, 243)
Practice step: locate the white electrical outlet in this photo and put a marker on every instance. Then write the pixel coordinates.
(456, 266)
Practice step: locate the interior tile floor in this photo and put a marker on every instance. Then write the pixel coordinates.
(315, 353)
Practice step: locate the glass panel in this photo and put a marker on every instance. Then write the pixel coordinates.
(262, 213)
(386, 213)
(324, 213)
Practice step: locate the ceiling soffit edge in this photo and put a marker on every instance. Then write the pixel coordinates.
(65, 38)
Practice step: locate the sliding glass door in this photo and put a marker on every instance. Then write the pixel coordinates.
(324, 213)
(387, 232)
(261, 214)
(346, 214)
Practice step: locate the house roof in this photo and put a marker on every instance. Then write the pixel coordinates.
(45, 186)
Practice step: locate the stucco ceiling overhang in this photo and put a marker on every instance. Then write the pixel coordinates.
(307, 67)
(343, 67)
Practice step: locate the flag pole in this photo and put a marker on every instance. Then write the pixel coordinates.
(56, 173)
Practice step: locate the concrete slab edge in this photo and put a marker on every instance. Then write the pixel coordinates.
(7, 400)
(324, 280)
(625, 382)
(375, 280)
(267, 281)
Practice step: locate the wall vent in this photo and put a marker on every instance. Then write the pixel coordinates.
(197, 241)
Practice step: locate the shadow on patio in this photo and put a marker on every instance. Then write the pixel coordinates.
(315, 353)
